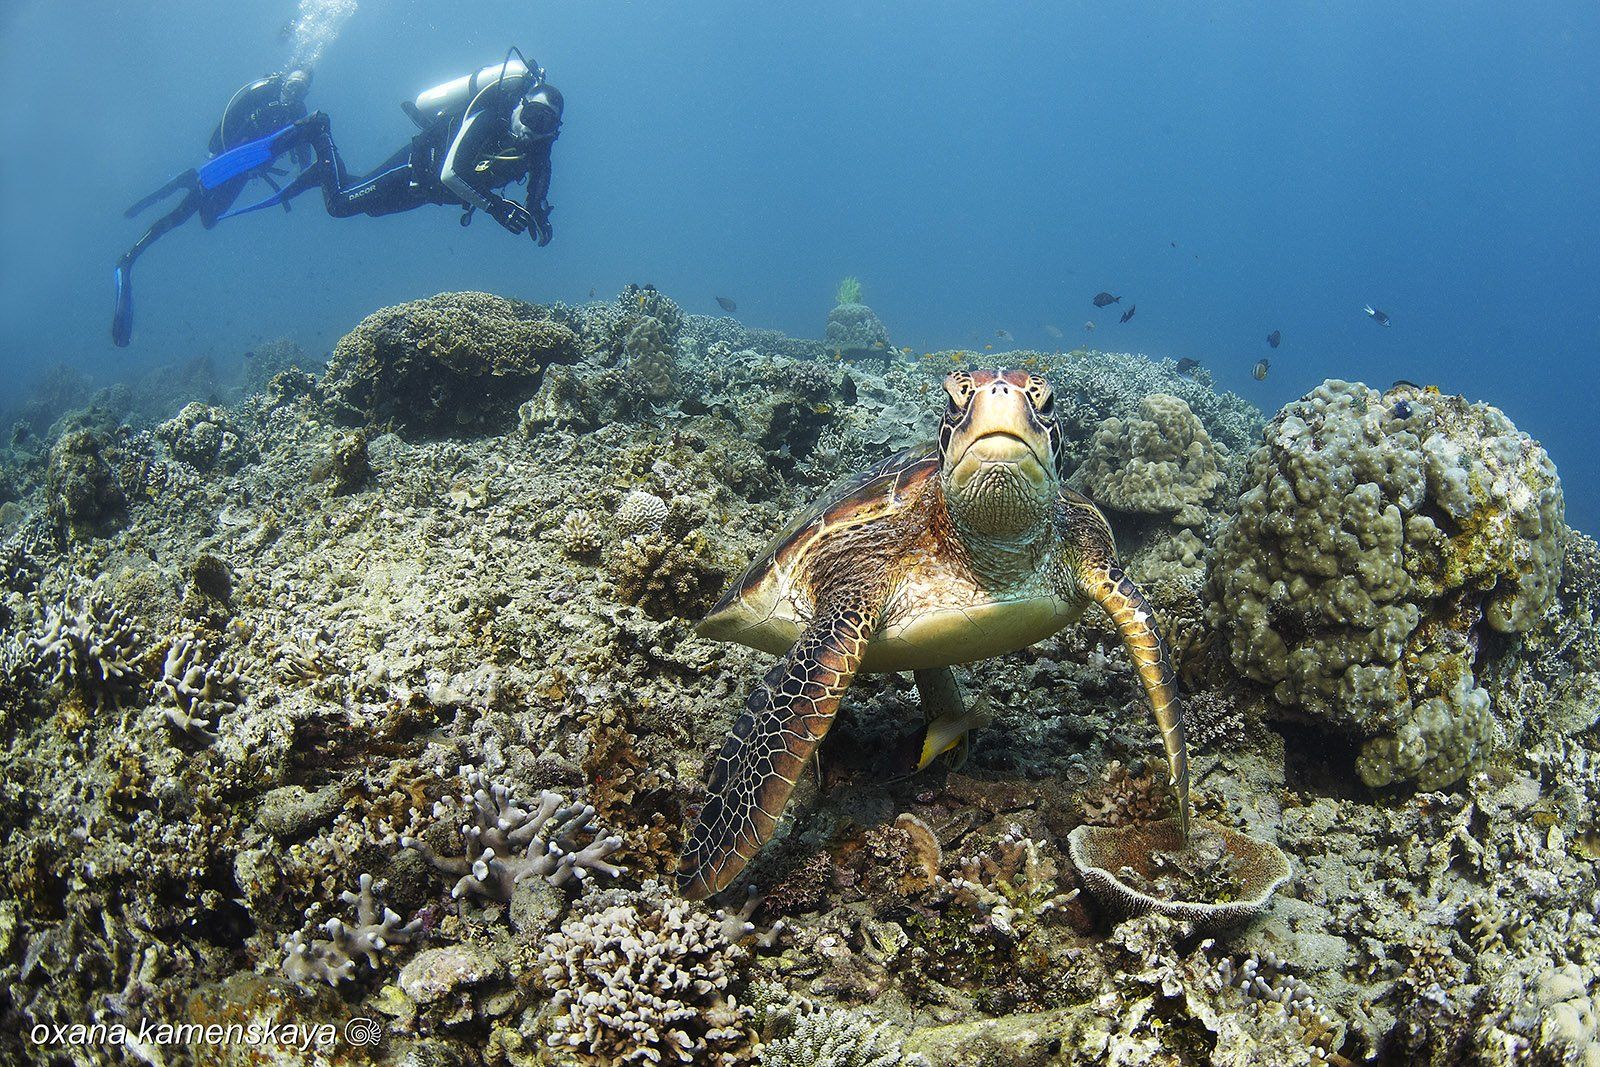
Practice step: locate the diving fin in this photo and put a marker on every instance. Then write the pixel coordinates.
(122, 317)
(306, 179)
(179, 181)
(247, 157)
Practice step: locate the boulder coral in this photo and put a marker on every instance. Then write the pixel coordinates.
(1160, 462)
(1382, 542)
(451, 362)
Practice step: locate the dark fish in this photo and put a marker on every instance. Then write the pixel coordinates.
(1004, 335)
(1401, 383)
(249, 354)
(1126, 315)
(727, 305)
(1174, 244)
(1187, 365)
(1377, 316)
(1274, 337)
(1260, 371)
(1401, 410)
(591, 292)
(1102, 299)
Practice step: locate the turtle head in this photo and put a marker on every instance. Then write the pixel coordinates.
(999, 450)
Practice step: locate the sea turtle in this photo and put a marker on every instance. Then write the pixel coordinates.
(944, 554)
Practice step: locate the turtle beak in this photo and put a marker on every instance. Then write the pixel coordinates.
(1000, 427)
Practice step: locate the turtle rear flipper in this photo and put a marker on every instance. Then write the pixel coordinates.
(772, 739)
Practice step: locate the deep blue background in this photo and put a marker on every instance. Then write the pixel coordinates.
(979, 166)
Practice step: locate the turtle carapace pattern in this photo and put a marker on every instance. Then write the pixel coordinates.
(941, 555)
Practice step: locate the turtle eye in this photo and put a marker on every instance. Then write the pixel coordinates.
(1047, 406)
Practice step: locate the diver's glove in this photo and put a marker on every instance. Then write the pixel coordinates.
(541, 230)
(512, 216)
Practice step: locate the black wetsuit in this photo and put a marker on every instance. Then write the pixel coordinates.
(487, 156)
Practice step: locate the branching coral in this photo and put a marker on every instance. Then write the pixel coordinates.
(201, 687)
(1012, 886)
(812, 1036)
(332, 959)
(89, 644)
(646, 977)
(507, 843)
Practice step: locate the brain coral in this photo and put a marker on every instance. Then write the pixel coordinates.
(452, 361)
(1379, 535)
(1161, 462)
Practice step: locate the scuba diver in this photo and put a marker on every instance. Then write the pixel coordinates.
(478, 134)
(256, 110)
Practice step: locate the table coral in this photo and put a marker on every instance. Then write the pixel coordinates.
(1380, 536)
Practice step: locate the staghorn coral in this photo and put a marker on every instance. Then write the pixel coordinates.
(201, 686)
(1380, 537)
(450, 362)
(88, 644)
(333, 959)
(640, 513)
(507, 843)
(1265, 979)
(1161, 462)
(646, 976)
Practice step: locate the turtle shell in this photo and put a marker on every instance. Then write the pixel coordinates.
(765, 592)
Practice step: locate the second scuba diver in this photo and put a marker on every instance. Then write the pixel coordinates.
(255, 111)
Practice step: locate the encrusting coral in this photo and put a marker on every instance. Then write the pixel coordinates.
(507, 843)
(1381, 535)
(1161, 462)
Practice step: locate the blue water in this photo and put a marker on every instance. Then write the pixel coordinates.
(979, 166)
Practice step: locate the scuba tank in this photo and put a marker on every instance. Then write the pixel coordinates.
(454, 96)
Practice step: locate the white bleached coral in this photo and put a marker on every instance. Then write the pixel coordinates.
(506, 843)
(90, 644)
(332, 959)
(200, 687)
(1161, 462)
(640, 513)
(646, 977)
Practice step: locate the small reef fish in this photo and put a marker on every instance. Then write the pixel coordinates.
(1088, 324)
(591, 292)
(1004, 335)
(1053, 330)
(1259, 373)
(1274, 337)
(1102, 299)
(1377, 316)
(1402, 383)
(727, 305)
(1126, 315)
(1188, 366)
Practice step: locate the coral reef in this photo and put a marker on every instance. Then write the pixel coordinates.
(345, 617)
(1161, 462)
(456, 361)
(1383, 539)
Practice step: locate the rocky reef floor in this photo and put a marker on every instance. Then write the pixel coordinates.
(367, 699)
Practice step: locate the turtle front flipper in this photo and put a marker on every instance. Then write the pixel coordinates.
(1092, 570)
(756, 771)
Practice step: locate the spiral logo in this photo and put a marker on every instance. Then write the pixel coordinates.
(363, 1032)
